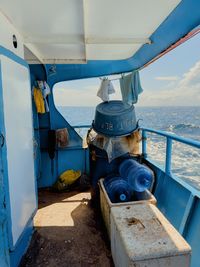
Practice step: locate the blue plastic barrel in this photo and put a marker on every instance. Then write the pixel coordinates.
(115, 118)
(137, 175)
(117, 189)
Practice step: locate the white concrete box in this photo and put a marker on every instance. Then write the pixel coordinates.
(141, 236)
(106, 204)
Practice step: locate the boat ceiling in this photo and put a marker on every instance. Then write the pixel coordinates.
(75, 31)
(76, 39)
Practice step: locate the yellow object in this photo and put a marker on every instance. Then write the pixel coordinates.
(69, 177)
(39, 101)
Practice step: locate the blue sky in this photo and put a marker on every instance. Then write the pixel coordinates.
(173, 80)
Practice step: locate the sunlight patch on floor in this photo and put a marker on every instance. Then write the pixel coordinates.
(60, 213)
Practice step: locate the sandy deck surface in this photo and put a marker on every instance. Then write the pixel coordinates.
(68, 233)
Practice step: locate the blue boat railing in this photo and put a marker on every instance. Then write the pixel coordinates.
(81, 129)
(194, 192)
(81, 126)
(168, 157)
(169, 139)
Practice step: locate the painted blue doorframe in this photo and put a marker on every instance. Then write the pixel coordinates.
(4, 250)
(10, 255)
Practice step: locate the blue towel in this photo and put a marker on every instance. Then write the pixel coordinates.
(130, 87)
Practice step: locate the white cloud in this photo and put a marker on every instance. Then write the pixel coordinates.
(78, 95)
(167, 78)
(178, 91)
(184, 92)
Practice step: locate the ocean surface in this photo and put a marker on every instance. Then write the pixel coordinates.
(183, 121)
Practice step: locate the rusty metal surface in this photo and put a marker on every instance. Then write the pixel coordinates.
(141, 233)
(106, 204)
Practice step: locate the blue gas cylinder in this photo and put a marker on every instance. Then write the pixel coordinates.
(117, 189)
(138, 176)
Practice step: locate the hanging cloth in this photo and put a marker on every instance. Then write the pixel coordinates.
(39, 101)
(45, 92)
(130, 87)
(106, 88)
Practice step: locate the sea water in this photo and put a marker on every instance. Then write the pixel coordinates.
(183, 121)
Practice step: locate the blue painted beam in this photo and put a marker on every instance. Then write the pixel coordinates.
(168, 156)
(144, 144)
(187, 213)
(81, 126)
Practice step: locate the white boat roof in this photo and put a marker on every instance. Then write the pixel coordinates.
(76, 31)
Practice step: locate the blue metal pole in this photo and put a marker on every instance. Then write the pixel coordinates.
(81, 126)
(175, 137)
(144, 144)
(187, 213)
(168, 156)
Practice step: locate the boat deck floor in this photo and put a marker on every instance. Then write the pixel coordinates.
(68, 232)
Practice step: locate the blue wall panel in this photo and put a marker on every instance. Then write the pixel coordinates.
(171, 196)
(4, 254)
(71, 159)
(192, 234)
(48, 170)
(76, 159)
(8, 257)
(22, 245)
(172, 200)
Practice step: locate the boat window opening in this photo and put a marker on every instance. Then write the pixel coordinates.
(76, 100)
(165, 104)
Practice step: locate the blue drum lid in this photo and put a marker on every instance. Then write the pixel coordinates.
(114, 108)
(115, 118)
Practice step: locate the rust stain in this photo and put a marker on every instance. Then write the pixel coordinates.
(134, 221)
(157, 220)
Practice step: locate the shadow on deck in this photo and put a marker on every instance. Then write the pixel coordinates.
(68, 232)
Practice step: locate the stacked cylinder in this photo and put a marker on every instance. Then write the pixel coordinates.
(133, 179)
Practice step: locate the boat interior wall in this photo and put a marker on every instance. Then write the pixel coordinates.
(4, 255)
(22, 245)
(4, 247)
(74, 156)
(17, 99)
(18, 185)
(181, 207)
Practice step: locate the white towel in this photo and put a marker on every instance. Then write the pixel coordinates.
(106, 88)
